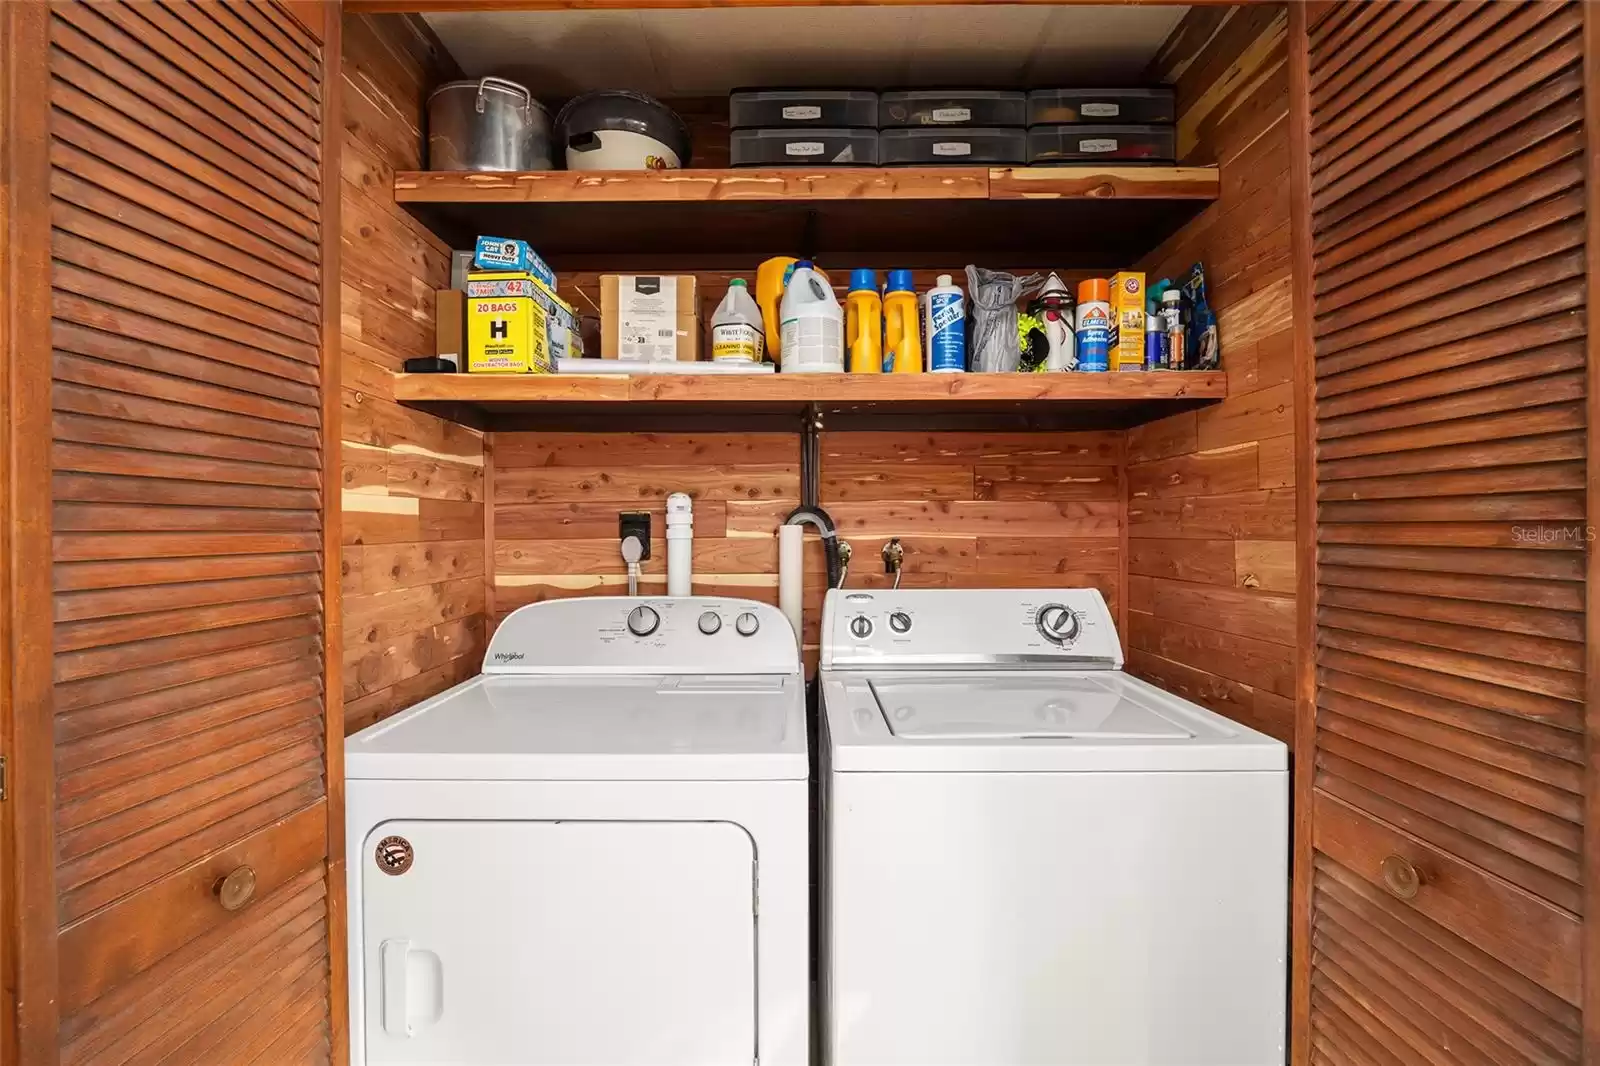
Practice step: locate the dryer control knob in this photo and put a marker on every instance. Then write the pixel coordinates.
(900, 622)
(746, 624)
(861, 627)
(1057, 623)
(710, 622)
(642, 621)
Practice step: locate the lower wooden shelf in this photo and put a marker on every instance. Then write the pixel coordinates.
(664, 401)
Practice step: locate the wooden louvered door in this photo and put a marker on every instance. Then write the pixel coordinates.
(191, 274)
(1444, 200)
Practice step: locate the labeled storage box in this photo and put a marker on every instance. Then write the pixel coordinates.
(506, 335)
(561, 324)
(791, 148)
(1102, 144)
(780, 108)
(952, 146)
(1051, 107)
(651, 318)
(952, 107)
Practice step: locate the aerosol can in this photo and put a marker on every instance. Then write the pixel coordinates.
(1053, 306)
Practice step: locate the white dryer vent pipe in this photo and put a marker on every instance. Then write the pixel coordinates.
(791, 582)
(680, 544)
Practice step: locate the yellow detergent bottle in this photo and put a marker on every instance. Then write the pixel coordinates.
(902, 352)
(863, 323)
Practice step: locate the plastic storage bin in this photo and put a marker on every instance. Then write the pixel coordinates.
(798, 148)
(952, 107)
(1100, 144)
(779, 108)
(951, 147)
(1049, 107)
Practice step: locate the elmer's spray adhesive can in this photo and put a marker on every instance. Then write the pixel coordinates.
(947, 327)
(1094, 324)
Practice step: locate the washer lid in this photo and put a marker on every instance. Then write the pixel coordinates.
(1008, 721)
(1016, 707)
(649, 727)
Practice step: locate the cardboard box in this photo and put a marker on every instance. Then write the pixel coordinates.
(450, 325)
(507, 335)
(1127, 321)
(501, 253)
(651, 318)
(561, 324)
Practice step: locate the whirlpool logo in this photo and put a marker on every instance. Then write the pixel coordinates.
(509, 656)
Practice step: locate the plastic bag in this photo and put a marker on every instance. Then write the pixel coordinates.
(1201, 340)
(993, 343)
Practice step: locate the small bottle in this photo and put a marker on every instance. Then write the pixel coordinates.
(947, 327)
(1155, 340)
(737, 335)
(1094, 324)
(1172, 326)
(863, 323)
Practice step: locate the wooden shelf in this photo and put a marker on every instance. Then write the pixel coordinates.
(665, 401)
(1037, 213)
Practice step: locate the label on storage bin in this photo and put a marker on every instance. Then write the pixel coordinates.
(799, 112)
(1100, 110)
(952, 148)
(1098, 144)
(952, 114)
(803, 148)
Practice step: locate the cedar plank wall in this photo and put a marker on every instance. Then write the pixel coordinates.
(972, 510)
(1211, 508)
(413, 569)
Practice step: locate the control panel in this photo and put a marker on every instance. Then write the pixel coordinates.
(617, 634)
(1065, 628)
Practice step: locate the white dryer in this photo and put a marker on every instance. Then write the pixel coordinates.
(594, 852)
(1031, 857)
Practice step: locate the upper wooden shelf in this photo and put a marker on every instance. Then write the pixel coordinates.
(1040, 214)
(838, 183)
(605, 401)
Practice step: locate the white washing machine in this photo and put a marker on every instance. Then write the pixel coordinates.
(1030, 856)
(595, 852)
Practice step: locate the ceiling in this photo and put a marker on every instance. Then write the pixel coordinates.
(708, 51)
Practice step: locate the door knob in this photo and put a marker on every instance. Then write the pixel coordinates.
(235, 890)
(1400, 877)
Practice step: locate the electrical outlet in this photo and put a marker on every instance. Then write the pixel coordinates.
(635, 522)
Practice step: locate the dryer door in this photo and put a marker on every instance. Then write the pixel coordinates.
(615, 943)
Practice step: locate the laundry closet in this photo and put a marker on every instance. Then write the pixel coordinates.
(236, 530)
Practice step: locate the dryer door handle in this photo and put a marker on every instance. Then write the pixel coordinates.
(396, 1009)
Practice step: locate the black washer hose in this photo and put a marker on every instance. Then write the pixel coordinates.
(816, 516)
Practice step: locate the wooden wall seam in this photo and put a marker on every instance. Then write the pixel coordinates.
(1306, 545)
(1211, 497)
(1591, 862)
(31, 799)
(330, 39)
(412, 575)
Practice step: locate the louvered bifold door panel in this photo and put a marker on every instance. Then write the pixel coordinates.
(185, 144)
(1447, 199)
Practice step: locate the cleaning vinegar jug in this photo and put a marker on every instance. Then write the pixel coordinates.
(863, 323)
(902, 326)
(736, 333)
(813, 324)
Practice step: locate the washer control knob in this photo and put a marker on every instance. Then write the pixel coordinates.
(710, 622)
(861, 627)
(642, 621)
(746, 624)
(900, 622)
(1057, 623)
